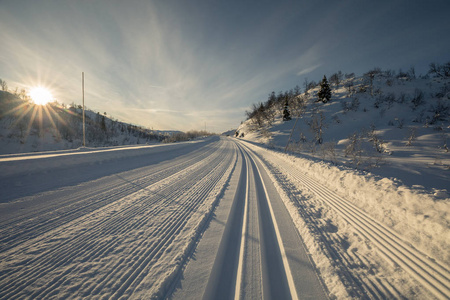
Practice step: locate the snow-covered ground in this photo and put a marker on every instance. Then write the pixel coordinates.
(132, 222)
(371, 234)
(413, 140)
(27, 127)
(380, 177)
(105, 224)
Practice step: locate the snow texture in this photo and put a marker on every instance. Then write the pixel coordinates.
(396, 185)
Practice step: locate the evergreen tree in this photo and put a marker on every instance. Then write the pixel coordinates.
(324, 93)
(286, 112)
(103, 124)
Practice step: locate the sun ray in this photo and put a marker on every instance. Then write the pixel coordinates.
(40, 121)
(47, 109)
(30, 123)
(22, 114)
(12, 110)
(58, 117)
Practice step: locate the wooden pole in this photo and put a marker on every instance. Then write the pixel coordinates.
(84, 127)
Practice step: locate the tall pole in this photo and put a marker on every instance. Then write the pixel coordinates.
(84, 127)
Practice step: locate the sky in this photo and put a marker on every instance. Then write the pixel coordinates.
(191, 65)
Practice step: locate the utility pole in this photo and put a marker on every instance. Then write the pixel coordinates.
(84, 126)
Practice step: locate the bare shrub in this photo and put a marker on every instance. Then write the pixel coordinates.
(377, 142)
(440, 112)
(328, 150)
(444, 139)
(417, 99)
(437, 70)
(389, 99)
(412, 136)
(266, 133)
(303, 138)
(354, 148)
(402, 98)
(317, 125)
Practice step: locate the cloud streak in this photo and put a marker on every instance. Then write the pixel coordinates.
(174, 64)
(308, 70)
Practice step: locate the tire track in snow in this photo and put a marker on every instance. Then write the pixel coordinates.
(431, 274)
(189, 191)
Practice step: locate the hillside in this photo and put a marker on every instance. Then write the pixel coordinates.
(395, 126)
(381, 143)
(27, 127)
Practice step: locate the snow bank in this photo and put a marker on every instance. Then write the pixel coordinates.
(352, 263)
(422, 219)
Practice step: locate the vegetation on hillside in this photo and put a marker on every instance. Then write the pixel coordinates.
(365, 108)
(26, 126)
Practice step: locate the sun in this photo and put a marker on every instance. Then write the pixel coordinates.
(40, 95)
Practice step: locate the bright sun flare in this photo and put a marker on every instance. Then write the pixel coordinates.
(41, 95)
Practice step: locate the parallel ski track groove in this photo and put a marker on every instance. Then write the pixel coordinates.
(106, 220)
(11, 235)
(80, 247)
(434, 276)
(176, 227)
(252, 159)
(346, 261)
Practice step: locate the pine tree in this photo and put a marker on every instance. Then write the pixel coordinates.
(103, 124)
(286, 112)
(324, 93)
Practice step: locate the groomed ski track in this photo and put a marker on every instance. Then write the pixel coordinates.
(431, 274)
(129, 224)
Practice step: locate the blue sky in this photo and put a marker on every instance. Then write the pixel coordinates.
(177, 64)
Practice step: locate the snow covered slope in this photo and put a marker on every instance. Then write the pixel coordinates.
(27, 127)
(381, 143)
(394, 127)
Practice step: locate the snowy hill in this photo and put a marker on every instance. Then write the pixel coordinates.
(392, 126)
(27, 127)
(381, 142)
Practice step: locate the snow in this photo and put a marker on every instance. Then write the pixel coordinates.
(128, 222)
(405, 188)
(309, 207)
(124, 222)
(120, 235)
(26, 127)
(425, 162)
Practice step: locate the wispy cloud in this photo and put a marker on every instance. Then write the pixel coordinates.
(157, 63)
(308, 70)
